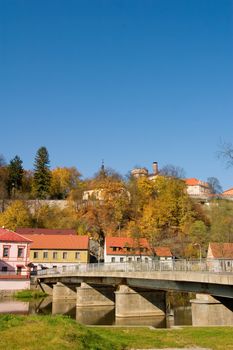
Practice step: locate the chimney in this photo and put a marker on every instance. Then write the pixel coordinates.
(155, 168)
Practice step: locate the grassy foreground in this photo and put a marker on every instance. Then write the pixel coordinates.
(61, 333)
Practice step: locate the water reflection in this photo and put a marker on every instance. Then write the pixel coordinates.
(9, 306)
(156, 321)
(101, 315)
(94, 315)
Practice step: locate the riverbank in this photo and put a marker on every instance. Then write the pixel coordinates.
(60, 332)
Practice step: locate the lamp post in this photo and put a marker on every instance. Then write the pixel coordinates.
(200, 254)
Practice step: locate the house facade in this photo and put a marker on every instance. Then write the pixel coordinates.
(52, 250)
(127, 249)
(14, 260)
(220, 256)
(197, 188)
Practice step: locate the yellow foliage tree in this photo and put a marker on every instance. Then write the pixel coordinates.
(63, 181)
(16, 215)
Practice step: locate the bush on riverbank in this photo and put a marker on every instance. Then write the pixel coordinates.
(29, 294)
(60, 332)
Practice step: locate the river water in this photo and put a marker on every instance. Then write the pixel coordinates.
(94, 315)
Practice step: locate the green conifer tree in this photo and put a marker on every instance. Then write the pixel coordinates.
(42, 175)
(15, 175)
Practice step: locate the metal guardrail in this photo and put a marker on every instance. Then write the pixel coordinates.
(204, 266)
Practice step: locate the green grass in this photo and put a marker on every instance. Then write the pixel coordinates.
(61, 333)
(29, 294)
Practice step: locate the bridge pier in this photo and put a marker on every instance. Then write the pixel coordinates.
(208, 311)
(61, 291)
(135, 303)
(94, 295)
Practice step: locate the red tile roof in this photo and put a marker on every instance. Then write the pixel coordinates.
(228, 192)
(69, 242)
(122, 243)
(44, 231)
(11, 236)
(194, 182)
(222, 250)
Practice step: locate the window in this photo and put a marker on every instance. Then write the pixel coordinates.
(138, 259)
(129, 259)
(4, 268)
(114, 249)
(6, 251)
(146, 260)
(20, 252)
(121, 260)
(54, 255)
(113, 259)
(35, 255)
(45, 255)
(77, 255)
(64, 255)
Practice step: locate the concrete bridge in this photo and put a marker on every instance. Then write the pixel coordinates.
(139, 289)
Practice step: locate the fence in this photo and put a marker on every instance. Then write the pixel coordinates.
(205, 266)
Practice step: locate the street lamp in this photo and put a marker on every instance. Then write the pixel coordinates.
(198, 245)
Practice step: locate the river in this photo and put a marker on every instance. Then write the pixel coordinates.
(177, 315)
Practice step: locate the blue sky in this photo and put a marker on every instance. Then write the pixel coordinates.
(127, 81)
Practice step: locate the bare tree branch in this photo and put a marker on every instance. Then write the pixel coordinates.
(226, 153)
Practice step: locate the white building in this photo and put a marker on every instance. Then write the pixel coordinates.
(126, 249)
(197, 187)
(220, 256)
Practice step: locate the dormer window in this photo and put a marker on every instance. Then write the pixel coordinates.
(114, 249)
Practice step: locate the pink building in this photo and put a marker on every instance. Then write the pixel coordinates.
(14, 260)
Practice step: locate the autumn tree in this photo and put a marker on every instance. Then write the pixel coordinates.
(42, 174)
(27, 184)
(16, 215)
(199, 237)
(15, 175)
(221, 218)
(63, 181)
(107, 210)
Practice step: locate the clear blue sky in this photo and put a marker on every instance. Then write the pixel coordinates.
(127, 81)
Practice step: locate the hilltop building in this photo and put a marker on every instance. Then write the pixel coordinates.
(197, 188)
(143, 172)
(228, 194)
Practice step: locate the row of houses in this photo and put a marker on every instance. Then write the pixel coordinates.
(28, 250)
(44, 248)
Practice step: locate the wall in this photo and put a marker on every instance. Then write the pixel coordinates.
(11, 285)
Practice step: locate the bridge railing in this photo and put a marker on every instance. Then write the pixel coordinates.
(210, 266)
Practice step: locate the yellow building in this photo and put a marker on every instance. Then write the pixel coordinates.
(48, 251)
